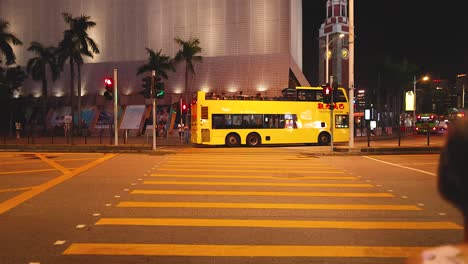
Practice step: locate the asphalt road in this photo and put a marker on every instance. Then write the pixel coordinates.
(220, 205)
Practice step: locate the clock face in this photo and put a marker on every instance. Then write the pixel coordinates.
(344, 53)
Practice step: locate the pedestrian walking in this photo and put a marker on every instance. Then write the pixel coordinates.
(186, 134)
(18, 128)
(453, 186)
(180, 128)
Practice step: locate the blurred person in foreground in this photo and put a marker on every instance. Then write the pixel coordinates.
(453, 186)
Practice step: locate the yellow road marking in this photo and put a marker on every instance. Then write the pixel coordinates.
(350, 185)
(240, 250)
(20, 162)
(276, 223)
(11, 203)
(224, 165)
(237, 193)
(259, 170)
(256, 177)
(36, 161)
(25, 171)
(272, 206)
(53, 163)
(251, 161)
(15, 189)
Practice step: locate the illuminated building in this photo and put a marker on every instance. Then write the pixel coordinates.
(248, 45)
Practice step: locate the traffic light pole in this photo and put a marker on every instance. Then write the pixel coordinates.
(153, 96)
(332, 105)
(116, 125)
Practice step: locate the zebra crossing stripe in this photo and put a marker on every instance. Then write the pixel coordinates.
(277, 223)
(272, 206)
(239, 250)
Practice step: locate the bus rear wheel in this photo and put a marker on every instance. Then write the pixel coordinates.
(324, 139)
(232, 140)
(253, 140)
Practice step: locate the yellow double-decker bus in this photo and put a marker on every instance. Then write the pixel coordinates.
(298, 117)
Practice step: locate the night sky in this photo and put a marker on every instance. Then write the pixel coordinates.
(430, 34)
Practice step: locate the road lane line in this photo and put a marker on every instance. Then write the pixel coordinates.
(256, 177)
(53, 163)
(277, 223)
(25, 171)
(239, 193)
(259, 170)
(11, 203)
(400, 166)
(16, 189)
(347, 185)
(240, 250)
(271, 206)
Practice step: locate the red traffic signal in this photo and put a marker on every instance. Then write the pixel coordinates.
(109, 93)
(108, 81)
(327, 94)
(184, 107)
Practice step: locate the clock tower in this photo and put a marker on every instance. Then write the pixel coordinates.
(333, 44)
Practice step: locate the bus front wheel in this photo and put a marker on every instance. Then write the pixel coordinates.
(324, 139)
(253, 140)
(232, 140)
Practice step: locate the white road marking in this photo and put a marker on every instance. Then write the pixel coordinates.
(59, 242)
(401, 166)
(80, 226)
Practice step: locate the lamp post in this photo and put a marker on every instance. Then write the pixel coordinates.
(425, 78)
(327, 57)
(351, 73)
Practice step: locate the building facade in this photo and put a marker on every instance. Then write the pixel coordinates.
(253, 46)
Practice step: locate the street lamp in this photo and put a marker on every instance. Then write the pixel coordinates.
(327, 55)
(425, 78)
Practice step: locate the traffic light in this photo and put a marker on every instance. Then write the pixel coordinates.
(184, 108)
(109, 86)
(146, 85)
(327, 94)
(159, 88)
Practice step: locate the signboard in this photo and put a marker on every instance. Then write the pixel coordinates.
(132, 117)
(367, 114)
(409, 101)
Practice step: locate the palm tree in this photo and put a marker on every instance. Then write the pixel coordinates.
(37, 69)
(11, 80)
(76, 42)
(6, 38)
(156, 62)
(188, 53)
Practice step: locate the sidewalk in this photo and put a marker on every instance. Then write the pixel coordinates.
(376, 145)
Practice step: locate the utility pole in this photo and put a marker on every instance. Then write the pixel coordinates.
(332, 106)
(153, 96)
(116, 119)
(351, 73)
(463, 95)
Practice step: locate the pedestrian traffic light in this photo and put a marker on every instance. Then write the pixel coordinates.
(146, 85)
(109, 86)
(327, 94)
(159, 94)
